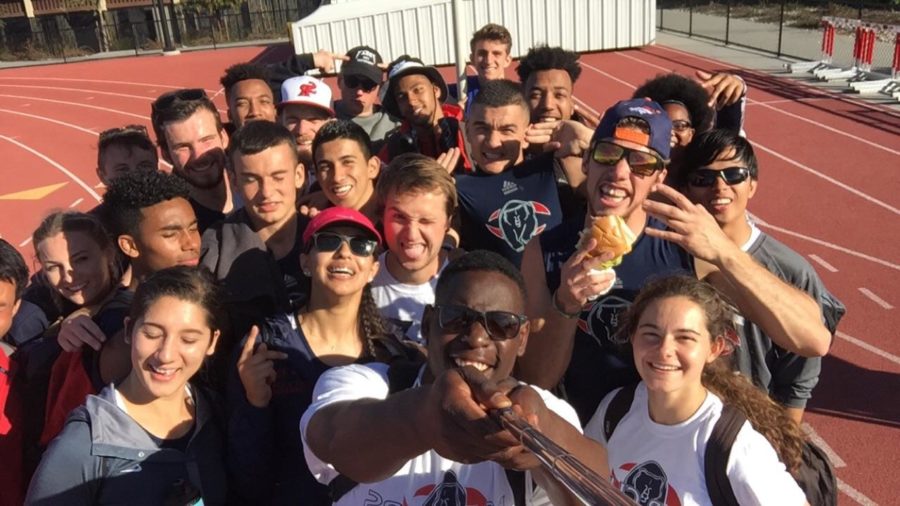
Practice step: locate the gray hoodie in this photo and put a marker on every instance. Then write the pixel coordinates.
(103, 456)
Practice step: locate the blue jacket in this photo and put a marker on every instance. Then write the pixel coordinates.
(103, 456)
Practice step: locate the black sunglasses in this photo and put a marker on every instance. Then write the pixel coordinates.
(641, 163)
(500, 325)
(707, 177)
(327, 242)
(360, 82)
(167, 99)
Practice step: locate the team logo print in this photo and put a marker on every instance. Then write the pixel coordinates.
(517, 222)
(647, 485)
(307, 89)
(366, 56)
(644, 110)
(601, 320)
(451, 493)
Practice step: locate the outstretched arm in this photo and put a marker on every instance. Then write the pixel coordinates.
(789, 316)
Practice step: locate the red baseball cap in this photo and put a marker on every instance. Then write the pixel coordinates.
(338, 215)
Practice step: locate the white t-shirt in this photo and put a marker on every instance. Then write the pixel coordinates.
(663, 464)
(403, 304)
(427, 477)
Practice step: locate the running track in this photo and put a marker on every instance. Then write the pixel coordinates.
(829, 189)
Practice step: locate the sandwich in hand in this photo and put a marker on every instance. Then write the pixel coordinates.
(612, 235)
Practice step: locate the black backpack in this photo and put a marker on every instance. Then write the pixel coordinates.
(815, 477)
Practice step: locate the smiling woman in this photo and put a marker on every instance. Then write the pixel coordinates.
(151, 439)
(282, 359)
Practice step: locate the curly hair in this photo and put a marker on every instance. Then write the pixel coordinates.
(667, 88)
(549, 58)
(765, 415)
(136, 190)
(242, 72)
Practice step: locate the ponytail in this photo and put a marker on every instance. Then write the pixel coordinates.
(765, 415)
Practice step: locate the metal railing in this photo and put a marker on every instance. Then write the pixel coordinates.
(77, 36)
(781, 27)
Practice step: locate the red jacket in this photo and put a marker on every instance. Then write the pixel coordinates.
(399, 141)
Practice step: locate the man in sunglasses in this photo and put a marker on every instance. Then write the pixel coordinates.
(192, 138)
(407, 444)
(783, 301)
(360, 81)
(575, 309)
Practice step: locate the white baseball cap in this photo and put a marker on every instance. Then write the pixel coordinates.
(306, 90)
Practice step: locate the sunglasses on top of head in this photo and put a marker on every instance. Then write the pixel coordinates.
(360, 82)
(167, 99)
(707, 177)
(328, 242)
(500, 325)
(641, 163)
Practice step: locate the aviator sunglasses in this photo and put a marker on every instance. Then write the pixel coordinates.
(327, 242)
(500, 325)
(707, 177)
(641, 163)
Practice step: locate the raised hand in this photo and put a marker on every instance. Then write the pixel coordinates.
(256, 369)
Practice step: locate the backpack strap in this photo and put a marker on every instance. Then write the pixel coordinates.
(517, 483)
(617, 409)
(718, 450)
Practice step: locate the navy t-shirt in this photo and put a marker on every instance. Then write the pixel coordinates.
(502, 212)
(598, 365)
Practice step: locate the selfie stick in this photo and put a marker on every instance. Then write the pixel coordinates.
(577, 477)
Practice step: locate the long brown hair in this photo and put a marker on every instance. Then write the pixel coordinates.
(765, 415)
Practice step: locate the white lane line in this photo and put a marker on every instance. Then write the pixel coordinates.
(660, 67)
(827, 244)
(874, 298)
(868, 347)
(585, 105)
(809, 88)
(786, 101)
(786, 113)
(830, 129)
(80, 182)
(76, 104)
(819, 260)
(610, 76)
(51, 120)
(830, 179)
(216, 94)
(150, 85)
(25, 242)
(782, 157)
(854, 494)
(73, 204)
(81, 90)
(814, 436)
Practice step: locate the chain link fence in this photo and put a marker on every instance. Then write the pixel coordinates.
(82, 35)
(783, 28)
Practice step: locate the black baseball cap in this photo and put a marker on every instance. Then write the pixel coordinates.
(363, 62)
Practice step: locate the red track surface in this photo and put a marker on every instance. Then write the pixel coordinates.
(829, 188)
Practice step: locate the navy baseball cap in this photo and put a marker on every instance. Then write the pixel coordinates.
(660, 135)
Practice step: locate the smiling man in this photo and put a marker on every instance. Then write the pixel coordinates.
(406, 446)
(192, 138)
(255, 251)
(248, 93)
(508, 200)
(490, 48)
(345, 166)
(417, 94)
(780, 341)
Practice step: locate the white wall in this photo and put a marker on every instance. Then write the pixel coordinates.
(424, 28)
